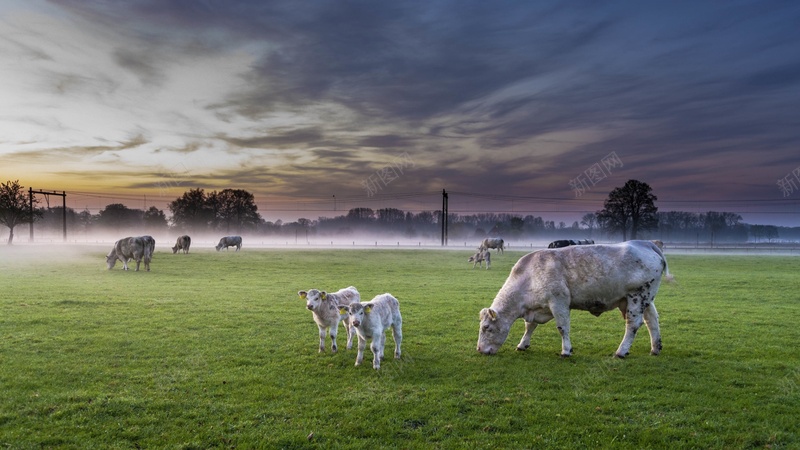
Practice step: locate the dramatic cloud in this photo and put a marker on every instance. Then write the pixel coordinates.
(511, 99)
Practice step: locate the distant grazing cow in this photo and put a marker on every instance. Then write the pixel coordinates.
(479, 257)
(658, 243)
(372, 320)
(567, 242)
(496, 243)
(548, 284)
(230, 241)
(125, 249)
(324, 308)
(183, 243)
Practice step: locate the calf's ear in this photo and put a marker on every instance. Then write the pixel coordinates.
(343, 309)
(368, 308)
(493, 314)
(323, 295)
(302, 294)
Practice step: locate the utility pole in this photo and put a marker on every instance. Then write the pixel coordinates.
(444, 218)
(63, 195)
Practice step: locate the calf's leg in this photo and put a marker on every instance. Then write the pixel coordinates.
(321, 338)
(362, 344)
(377, 350)
(397, 334)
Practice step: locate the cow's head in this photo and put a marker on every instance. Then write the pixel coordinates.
(111, 260)
(492, 333)
(175, 249)
(314, 298)
(357, 312)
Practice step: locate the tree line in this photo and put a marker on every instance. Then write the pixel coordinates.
(629, 212)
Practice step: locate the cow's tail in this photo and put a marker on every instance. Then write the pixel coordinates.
(665, 270)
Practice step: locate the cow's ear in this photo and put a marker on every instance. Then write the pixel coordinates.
(343, 309)
(368, 308)
(493, 314)
(302, 294)
(323, 295)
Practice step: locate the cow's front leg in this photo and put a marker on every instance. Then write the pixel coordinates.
(362, 344)
(633, 321)
(124, 263)
(562, 323)
(651, 320)
(525, 342)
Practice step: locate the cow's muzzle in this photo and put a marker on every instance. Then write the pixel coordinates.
(487, 350)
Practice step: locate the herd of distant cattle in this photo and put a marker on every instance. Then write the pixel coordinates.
(141, 248)
(543, 285)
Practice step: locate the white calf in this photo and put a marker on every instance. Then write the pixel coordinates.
(372, 320)
(325, 310)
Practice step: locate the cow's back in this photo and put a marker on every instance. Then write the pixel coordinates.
(587, 275)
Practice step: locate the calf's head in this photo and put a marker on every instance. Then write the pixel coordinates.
(357, 312)
(314, 298)
(492, 333)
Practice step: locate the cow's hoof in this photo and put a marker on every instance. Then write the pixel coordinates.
(522, 349)
(655, 352)
(618, 356)
(566, 355)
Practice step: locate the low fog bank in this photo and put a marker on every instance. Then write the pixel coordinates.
(54, 247)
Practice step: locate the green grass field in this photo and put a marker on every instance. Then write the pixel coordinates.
(215, 350)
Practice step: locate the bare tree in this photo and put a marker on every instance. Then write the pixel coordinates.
(15, 207)
(630, 207)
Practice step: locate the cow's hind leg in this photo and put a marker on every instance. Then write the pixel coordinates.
(651, 320)
(633, 321)
(562, 323)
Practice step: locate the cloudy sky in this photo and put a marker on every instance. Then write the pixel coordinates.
(531, 107)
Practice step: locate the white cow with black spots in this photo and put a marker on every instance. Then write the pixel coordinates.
(549, 283)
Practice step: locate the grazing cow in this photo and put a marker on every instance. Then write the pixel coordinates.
(479, 257)
(547, 284)
(230, 241)
(496, 243)
(567, 242)
(372, 320)
(125, 249)
(183, 243)
(658, 243)
(324, 308)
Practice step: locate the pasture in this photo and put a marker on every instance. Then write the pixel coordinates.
(215, 350)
